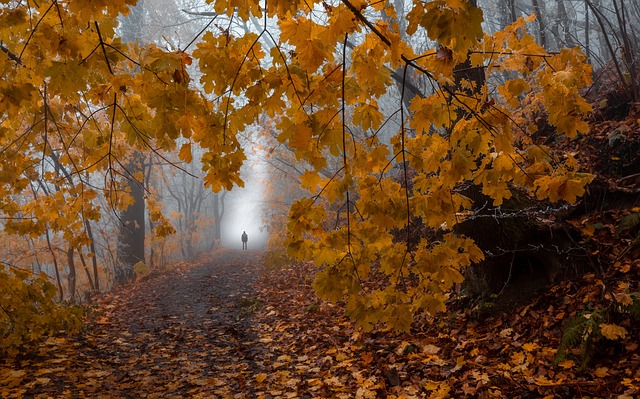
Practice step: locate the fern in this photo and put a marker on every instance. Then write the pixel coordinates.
(628, 222)
(634, 308)
(581, 331)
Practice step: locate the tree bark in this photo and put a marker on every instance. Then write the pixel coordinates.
(561, 27)
(71, 279)
(87, 272)
(94, 258)
(218, 214)
(131, 240)
(55, 266)
(542, 37)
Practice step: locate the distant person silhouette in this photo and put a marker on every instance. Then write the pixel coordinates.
(245, 238)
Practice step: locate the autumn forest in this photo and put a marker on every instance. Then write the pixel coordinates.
(441, 199)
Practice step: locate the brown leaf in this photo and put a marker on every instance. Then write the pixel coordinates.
(444, 53)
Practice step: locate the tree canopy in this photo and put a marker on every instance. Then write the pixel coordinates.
(391, 111)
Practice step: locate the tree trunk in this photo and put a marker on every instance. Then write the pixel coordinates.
(512, 10)
(519, 252)
(150, 184)
(87, 272)
(72, 274)
(216, 217)
(132, 229)
(561, 27)
(131, 239)
(586, 30)
(507, 13)
(55, 266)
(542, 37)
(94, 258)
(628, 50)
(218, 214)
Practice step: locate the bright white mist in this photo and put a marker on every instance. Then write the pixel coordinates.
(244, 208)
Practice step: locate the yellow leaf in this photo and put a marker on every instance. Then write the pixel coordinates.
(449, 276)
(261, 377)
(310, 180)
(438, 389)
(305, 35)
(430, 349)
(433, 304)
(371, 74)
(301, 139)
(613, 331)
(312, 55)
(567, 364)
(544, 382)
(458, 26)
(623, 268)
(368, 116)
(602, 372)
(367, 358)
(512, 89)
(185, 153)
(400, 318)
(624, 299)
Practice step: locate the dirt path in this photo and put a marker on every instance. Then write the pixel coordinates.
(181, 334)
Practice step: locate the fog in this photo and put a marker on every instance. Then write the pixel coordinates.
(244, 210)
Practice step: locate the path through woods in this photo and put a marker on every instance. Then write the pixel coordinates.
(180, 334)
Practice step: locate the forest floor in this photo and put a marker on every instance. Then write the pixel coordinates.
(227, 327)
(180, 333)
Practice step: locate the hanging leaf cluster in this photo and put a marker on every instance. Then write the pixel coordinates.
(75, 100)
(76, 103)
(29, 312)
(324, 67)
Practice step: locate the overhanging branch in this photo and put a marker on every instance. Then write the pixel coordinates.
(11, 55)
